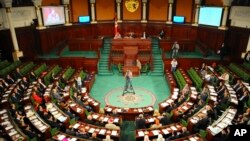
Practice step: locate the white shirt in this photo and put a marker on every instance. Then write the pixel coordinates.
(174, 63)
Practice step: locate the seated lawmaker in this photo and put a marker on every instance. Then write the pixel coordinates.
(165, 120)
(111, 125)
(140, 122)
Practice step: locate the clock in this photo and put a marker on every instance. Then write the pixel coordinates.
(131, 5)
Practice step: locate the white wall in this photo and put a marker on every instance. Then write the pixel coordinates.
(21, 16)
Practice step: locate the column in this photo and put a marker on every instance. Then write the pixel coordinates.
(170, 9)
(197, 3)
(226, 4)
(66, 11)
(37, 4)
(144, 11)
(16, 54)
(118, 10)
(93, 20)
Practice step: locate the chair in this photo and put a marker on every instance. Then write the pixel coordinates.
(203, 133)
(54, 131)
(145, 68)
(72, 121)
(184, 123)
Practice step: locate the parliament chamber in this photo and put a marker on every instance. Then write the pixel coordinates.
(60, 80)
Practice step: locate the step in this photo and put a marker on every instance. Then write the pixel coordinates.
(156, 74)
(105, 74)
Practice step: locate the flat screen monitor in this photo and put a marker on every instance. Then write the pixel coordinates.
(84, 19)
(53, 15)
(210, 16)
(179, 19)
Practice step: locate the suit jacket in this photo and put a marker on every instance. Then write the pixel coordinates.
(165, 120)
(140, 123)
(81, 135)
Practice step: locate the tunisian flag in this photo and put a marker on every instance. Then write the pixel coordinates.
(116, 25)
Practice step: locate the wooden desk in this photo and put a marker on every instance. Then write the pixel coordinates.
(130, 113)
(140, 48)
(153, 133)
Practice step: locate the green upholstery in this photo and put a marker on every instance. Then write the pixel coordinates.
(184, 123)
(54, 131)
(203, 133)
(179, 79)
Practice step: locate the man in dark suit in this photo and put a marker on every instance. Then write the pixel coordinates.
(165, 120)
(201, 124)
(140, 122)
(242, 100)
(82, 133)
(9, 80)
(17, 74)
(184, 132)
(70, 131)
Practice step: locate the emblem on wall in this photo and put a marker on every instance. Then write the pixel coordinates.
(132, 5)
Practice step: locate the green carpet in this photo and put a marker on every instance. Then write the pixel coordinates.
(153, 84)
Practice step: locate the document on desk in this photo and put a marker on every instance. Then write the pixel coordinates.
(173, 128)
(164, 104)
(155, 132)
(102, 131)
(62, 118)
(61, 137)
(105, 119)
(165, 131)
(114, 133)
(116, 120)
(73, 139)
(151, 120)
(76, 125)
(140, 133)
(95, 116)
(91, 130)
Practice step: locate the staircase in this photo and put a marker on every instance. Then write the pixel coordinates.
(157, 59)
(104, 58)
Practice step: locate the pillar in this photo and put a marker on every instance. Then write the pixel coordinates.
(226, 5)
(197, 10)
(66, 11)
(170, 9)
(37, 4)
(144, 11)
(93, 20)
(16, 54)
(118, 10)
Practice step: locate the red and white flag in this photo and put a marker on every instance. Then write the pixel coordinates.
(116, 24)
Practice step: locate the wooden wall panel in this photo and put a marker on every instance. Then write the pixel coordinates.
(105, 10)
(51, 2)
(214, 2)
(185, 8)
(237, 41)
(79, 8)
(212, 37)
(158, 10)
(132, 15)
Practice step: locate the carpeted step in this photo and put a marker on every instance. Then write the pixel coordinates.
(105, 73)
(156, 74)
